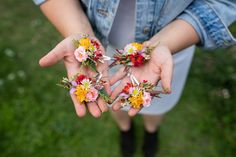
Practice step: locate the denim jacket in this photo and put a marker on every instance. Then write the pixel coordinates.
(210, 18)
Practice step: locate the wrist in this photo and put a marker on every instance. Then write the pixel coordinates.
(176, 36)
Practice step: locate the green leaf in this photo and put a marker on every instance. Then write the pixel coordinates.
(104, 95)
(76, 43)
(91, 64)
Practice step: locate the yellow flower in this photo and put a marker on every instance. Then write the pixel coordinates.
(85, 42)
(81, 93)
(136, 101)
(138, 46)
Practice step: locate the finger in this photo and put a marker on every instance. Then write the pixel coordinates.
(118, 89)
(53, 56)
(72, 70)
(133, 111)
(146, 43)
(107, 83)
(117, 105)
(107, 86)
(117, 76)
(79, 108)
(94, 109)
(102, 105)
(166, 75)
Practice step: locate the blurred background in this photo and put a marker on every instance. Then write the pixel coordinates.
(37, 117)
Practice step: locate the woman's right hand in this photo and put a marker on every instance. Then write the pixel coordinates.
(65, 51)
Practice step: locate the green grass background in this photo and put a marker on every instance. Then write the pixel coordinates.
(37, 118)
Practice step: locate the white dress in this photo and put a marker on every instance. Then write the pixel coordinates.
(123, 32)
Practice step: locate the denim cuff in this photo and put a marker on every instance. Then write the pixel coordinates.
(39, 2)
(188, 18)
(211, 29)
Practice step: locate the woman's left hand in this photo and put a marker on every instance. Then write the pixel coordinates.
(158, 68)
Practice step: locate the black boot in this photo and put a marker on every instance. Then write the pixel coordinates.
(127, 142)
(150, 143)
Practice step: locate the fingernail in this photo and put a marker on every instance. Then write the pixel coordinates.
(167, 90)
(105, 110)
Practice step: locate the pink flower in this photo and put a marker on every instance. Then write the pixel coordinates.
(80, 54)
(146, 99)
(92, 95)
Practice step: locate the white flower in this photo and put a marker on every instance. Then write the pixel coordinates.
(86, 83)
(129, 49)
(134, 91)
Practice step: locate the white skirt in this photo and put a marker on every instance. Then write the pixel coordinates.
(159, 106)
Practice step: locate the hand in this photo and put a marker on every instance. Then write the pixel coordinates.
(65, 51)
(159, 67)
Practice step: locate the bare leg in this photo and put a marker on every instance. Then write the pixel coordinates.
(151, 123)
(122, 119)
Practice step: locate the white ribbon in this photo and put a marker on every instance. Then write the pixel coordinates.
(107, 58)
(133, 79)
(99, 77)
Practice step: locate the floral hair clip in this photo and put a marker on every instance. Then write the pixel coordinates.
(133, 55)
(137, 95)
(85, 89)
(88, 52)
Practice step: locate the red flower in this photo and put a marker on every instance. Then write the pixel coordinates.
(145, 81)
(95, 43)
(136, 59)
(126, 88)
(97, 55)
(79, 78)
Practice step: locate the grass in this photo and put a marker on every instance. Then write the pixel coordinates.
(38, 119)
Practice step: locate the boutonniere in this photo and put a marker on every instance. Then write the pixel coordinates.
(85, 89)
(133, 55)
(88, 52)
(137, 95)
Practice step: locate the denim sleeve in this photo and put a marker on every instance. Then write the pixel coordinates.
(210, 19)
(39, 2)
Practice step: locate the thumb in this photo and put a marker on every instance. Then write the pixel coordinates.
(146, 43)
(53, 56)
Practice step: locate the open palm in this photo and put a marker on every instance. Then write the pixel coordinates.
(65, 51)
(159, 67)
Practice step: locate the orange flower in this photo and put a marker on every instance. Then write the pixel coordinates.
(136, 101)
(85, 42)
(138, 46)
(81, 93)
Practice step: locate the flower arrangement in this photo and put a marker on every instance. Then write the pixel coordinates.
(85, 89)
(133, 55)
(138, 95)
(88, 52)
